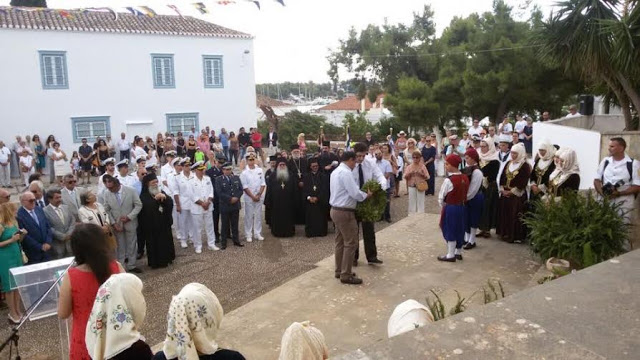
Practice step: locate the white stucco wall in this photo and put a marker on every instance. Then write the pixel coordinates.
(111, 75)
(586, 143)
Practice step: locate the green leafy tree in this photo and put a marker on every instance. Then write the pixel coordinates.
(413, 104)
(296, 122)
(29, 3)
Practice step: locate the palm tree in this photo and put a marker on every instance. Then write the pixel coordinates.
(580, 39)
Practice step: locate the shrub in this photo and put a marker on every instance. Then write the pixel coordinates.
(580, 229)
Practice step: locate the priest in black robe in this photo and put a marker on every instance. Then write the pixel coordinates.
(327, 160)
(298, 168)
(316, 196)
(280, 198)
(154, 223)
(267, 174)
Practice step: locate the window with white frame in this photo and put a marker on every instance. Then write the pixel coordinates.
(53, 69)
(182, 122)
(163, 74)
(213, 75)
(90, 127)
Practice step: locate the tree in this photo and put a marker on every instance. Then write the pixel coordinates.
(29, 3)
(296, 122)
(413, 104)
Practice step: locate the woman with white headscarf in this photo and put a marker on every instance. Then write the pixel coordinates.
(117, 315)
(490, 166)
(301, 341)
(566, 176)
(407, 316)
(543, 166)
(513, 196)
(194, 318)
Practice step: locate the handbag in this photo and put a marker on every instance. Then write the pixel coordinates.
(422, 186)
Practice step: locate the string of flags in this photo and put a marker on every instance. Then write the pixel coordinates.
(139, 10)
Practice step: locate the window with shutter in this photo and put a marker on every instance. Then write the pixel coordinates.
(182, 122)
(212, 71)
(90, 127)
(163, 73)
(53, 69)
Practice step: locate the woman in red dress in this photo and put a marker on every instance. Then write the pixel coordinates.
(80, 285)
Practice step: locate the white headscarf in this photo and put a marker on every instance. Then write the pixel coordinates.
(522, 156)
(492, 153)
(569, 164)
(193, 320)
(118, 312)
(301, 341)
(547, 159)
(408, 316)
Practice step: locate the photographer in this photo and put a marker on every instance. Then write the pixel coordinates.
(618, 177)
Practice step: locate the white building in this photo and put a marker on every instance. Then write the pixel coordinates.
(90, 75)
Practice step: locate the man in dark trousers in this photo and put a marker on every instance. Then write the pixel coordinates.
(213, 173)
(229, 190)
(267, 175)
(244, 140)
(272, 141)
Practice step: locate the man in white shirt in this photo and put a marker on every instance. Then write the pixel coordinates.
(138, 150)
(123, 173)
(124, 147)
(364, 171)
(475, 129)
(521, 123)
(464, 143)
(387, 171)
(253, 184)
(182, 195)
(5, 165)
(202, 207)
(344, 197)
(573, 112)
(618, 177)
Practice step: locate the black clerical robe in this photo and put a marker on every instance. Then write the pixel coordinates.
(316, 186)
(154, 222)
(298, 168)
(280, 197)
(326, 159)
(267, 203)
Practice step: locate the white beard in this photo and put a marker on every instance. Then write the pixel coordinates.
(154, 191)
(282, 175)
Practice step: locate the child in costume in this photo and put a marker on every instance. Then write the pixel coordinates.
(452, 198)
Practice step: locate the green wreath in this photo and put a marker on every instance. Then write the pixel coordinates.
(372, 209)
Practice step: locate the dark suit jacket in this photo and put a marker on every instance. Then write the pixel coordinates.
(226, 189)
(36, 235)
(213, 173)
(273, 141)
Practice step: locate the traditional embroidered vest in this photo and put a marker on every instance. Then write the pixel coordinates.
(458, 196)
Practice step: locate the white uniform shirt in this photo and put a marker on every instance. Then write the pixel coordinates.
(252, 179)
(370, 171)
(137, 151)
(344, 190)
(101, 187)
(128, 180)
(167, 171)
(5, 153)
(202, 190)
(181, 186)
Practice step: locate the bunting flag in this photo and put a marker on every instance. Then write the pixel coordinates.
(65, 14)
(281, 2)
(148, 11)
(134, 11)
(347, 143)
(201, 7)
(103, 9)
(175, 8)
(226, 2)
(257, 3)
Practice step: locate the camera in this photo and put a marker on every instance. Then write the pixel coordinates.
(609, 188)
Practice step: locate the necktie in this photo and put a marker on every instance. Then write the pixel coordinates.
(60, 214)
(35, 217)
(360, 175)
(40, 203)
(119, 198)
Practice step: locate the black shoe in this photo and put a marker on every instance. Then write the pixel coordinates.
(355, 263)
(338, 275)
(445, 258)
(351, 280)
(387, 220)
(135, 271)
(469, 246)
(238, 244)
(223, 247)
(140, 255)
(375, 261)
(458, 257)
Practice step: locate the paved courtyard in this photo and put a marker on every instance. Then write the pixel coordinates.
(236, 275)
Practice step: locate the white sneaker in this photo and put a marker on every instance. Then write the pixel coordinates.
(198, 250)
(183, 244)
(259, 238)
(214, 248)
(248, 238)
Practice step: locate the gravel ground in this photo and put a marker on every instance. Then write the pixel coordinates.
(236, 275)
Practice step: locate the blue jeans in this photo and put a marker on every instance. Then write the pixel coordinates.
(225, 151)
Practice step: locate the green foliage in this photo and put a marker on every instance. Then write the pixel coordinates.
(436, 307)
(461, 304)
(580, 229)
(492, 293)
(358, 125)
(371, 209)
(413, 104)
(296, 122)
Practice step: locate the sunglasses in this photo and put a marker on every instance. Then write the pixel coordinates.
(71, 182)
(31, 201)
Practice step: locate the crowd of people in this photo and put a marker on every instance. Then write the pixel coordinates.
(151, 194)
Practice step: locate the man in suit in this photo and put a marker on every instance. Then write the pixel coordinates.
(37, 242)
(62, 223)
(272, 141)
(123, 204)
(71, 195)
(37, 188)
(229, 189)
